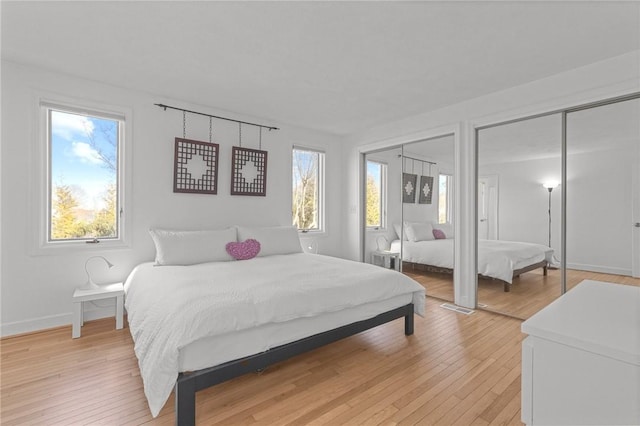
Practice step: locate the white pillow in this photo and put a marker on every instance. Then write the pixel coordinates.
(191, 247)
(447, 228)
(419, 231)
(273, 240)
(396, 227)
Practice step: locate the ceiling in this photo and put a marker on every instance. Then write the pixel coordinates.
(337, 67)
(610, 127)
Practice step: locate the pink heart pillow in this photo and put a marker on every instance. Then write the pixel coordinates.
(243, 250)
(438, 234)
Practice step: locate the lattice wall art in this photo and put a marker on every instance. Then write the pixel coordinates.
(248, 171)
(409, 181)
(426, 190)
(196, 167)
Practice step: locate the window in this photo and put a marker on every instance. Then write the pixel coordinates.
(308, 191)
(376, 194)
(84, 185)
(445, 198)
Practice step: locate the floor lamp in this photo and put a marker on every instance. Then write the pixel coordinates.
(550, 187)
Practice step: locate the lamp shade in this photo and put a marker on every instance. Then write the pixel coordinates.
(550, 185)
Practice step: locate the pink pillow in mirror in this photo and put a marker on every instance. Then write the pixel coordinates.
(438, 234)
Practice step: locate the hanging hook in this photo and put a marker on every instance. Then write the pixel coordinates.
(184, 124)
(260, 140)
(210, 128)
(240, 134)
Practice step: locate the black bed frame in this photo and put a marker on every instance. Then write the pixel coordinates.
(506, 285)
(189, 383)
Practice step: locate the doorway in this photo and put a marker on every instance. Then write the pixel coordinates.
(488, 207)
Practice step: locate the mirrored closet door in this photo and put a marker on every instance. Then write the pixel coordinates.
(603, 194)
(519, 215)
(409, 212)
(569, 183)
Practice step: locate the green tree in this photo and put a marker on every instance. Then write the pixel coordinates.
(373, 202)
(64, 221)
(104, 223)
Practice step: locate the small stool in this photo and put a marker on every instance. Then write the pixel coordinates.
(104, 292)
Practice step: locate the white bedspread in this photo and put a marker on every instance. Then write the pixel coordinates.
(171, 306)
(496, 258)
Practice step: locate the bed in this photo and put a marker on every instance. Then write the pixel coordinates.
(198, 325)
(498, 260)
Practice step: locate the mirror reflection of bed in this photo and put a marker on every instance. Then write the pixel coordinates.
(498, 260)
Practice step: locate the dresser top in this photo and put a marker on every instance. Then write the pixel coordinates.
(595, 316)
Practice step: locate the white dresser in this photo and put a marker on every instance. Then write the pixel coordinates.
(581, 360)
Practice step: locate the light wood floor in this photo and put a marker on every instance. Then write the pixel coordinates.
(455, 370)
(529, 293)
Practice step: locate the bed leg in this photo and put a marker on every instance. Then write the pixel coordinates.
(544, 270)
(507, 287)
(408, 324)
(185, 402)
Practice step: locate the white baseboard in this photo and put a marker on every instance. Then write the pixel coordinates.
(52, 321)
(599, 268)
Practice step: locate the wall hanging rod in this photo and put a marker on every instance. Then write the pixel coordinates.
(216, 116)
(417, 159)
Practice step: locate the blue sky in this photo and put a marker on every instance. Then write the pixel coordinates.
(75, 161)
(373, 169)
(305, 159)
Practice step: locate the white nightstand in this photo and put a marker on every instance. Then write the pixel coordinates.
(386, 259)
(104, 292)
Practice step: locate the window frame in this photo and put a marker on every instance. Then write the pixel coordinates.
(320, 190)
(383, 195)
(41, 199)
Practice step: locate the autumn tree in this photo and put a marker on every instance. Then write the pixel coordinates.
(64, 221)
(104, 223)
(373, 202)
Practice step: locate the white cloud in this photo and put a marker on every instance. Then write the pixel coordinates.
(85, 153)
(70, 125)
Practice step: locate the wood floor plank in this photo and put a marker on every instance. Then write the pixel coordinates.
(529, 293)
(455, 369)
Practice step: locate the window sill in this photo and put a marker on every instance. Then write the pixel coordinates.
(61, 248)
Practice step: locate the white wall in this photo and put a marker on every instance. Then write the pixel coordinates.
(36, 289)
(616, 76)
(599, 211)
(523, 203)
(598, 207)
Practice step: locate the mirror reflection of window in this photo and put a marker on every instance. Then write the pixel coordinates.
(445, 198)
(376, 194)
